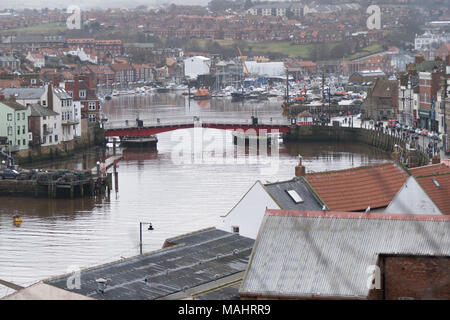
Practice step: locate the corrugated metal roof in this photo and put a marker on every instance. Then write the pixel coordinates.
(195, 259)
(326, 254)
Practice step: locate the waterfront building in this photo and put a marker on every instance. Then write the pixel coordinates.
(206, 264)
(14, 124)
(408, 99)
(44, 126)
(61, 102)
(85, 100)
(382, 100)
(349, 255)
(195, 66)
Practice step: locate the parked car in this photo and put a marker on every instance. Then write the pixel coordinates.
(418, 131)
(8, 174)
(424, 132)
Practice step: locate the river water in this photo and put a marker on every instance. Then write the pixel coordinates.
(175, 196)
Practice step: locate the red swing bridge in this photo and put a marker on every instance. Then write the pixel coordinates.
(148, 127)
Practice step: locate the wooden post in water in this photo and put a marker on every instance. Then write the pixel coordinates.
(116, 177)
(84, 161)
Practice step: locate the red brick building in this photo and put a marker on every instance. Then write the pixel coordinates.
(82, 89)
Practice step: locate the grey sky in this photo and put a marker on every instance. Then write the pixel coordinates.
(37, 4)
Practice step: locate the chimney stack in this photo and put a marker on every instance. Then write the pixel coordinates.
(55, 81)
(419, 59)
(50, 96)
(300, 170)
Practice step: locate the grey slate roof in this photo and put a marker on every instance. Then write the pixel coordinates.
(24, 93)
(13, 105)
(278, 191)
(195, 259)
(39, 111)
(303, 253)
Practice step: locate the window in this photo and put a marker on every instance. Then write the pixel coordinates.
(10, 131)
(18, 142)
(235, 229)
(18, 130)
(9, 116)
(92, 105)
(92, 118)
(23, 115)
(44, 102)
(295, 196)
(49, 139)
(18, 116)
(44, 140)
(24, 142)
(82, 94)
(56, 138)
(23, 130)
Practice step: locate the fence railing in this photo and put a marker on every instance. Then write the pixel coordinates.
(192, 120)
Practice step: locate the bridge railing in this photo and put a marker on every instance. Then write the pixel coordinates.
(192, 120)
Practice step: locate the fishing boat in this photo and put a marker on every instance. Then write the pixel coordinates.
(202, 94)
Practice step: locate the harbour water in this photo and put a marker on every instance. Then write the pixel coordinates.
(60, 234)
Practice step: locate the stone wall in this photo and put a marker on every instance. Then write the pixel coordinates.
(373, 138)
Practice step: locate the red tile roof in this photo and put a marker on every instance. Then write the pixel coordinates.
(358, 188)
(430, 169)
(439, 195)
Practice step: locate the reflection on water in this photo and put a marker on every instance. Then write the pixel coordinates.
(176, 198)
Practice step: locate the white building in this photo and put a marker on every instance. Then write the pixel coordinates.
(195, 66)
(45, 125)
(246, 216)
(61, 102)
(428, 39)
(83, 56)
(266, 69)
(38, 60)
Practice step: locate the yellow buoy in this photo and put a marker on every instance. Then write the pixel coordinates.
(17, 219)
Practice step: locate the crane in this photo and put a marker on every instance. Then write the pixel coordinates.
(11, 159)
(243, 62)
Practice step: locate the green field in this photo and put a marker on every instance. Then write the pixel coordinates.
(45, 28)
(286, 48)
(372, 49)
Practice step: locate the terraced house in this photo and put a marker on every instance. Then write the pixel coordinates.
(14, 125)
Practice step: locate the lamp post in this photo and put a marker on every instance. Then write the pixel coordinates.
(150, 227)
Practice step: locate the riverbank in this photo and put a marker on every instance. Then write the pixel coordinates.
(94, 136)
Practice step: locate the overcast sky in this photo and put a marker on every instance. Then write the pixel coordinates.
(36, 4)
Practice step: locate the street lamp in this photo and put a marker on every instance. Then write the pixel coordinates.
(150, 228)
